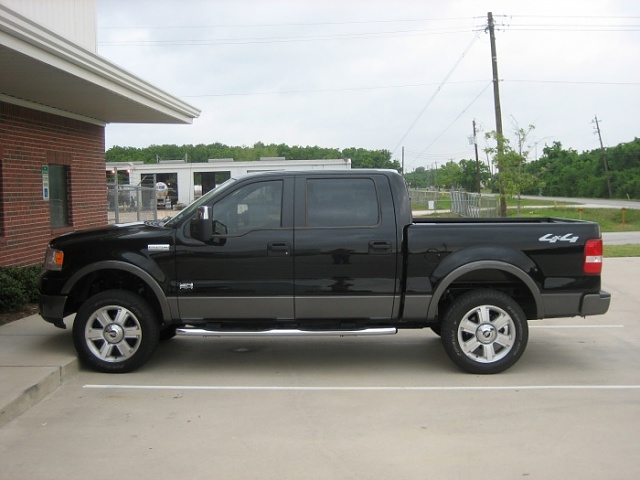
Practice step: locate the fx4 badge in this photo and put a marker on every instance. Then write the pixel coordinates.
(569, 237)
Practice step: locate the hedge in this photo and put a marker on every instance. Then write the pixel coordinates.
(18, 287)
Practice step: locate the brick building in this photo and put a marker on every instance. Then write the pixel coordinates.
(56, 98)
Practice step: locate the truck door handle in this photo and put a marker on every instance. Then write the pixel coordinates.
(279, 249)
(379, 247)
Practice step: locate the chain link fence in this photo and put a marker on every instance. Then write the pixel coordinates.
(474, 205)
(428, 200)
(130, 203)
(454, 202)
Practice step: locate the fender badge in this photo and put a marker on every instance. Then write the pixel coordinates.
(164, 247)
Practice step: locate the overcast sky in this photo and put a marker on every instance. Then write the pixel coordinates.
(381, 74)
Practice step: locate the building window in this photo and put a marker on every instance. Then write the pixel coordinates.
(58, 196)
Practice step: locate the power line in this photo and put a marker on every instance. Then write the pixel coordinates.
(279, 25)
(435, 94)
(327, 90)
(268, 40)
(457, 118)
(572, 82)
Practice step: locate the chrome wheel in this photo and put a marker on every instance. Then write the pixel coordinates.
(486, 333)
(113, 333)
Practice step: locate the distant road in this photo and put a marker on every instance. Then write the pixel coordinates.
(620, 238)
(589, 202)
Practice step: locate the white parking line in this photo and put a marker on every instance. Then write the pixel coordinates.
(576, 326)
(361, 389)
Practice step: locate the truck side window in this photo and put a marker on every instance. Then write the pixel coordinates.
(252, 207)
(342, 202)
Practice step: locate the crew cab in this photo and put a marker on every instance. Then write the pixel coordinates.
(319, 253)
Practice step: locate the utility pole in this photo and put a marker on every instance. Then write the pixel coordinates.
(497, 108)
(604, 156)
(403, 161)
(475, 144)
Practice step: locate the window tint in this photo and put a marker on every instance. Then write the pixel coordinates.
(342, 202)
(252, 207)
(58, 196)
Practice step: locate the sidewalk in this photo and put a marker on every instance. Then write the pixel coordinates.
(35, 359)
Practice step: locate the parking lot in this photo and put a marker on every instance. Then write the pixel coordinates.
(351, 408)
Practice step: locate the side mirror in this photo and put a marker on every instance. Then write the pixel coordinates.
(219, 228)
(201, 227)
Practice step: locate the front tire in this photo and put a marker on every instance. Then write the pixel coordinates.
(115, 331)
(484, 331)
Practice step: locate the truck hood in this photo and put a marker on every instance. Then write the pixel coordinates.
(137, 232)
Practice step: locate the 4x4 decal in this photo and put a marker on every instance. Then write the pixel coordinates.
(569, 237)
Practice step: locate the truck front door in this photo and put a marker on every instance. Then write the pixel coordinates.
(246, 270)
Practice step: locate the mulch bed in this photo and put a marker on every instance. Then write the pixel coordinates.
(27, 310)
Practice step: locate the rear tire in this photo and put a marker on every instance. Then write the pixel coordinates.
(115, 331)
(484, 331)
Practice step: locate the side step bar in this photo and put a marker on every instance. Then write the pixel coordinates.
(199, 332)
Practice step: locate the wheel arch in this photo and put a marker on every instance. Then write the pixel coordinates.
(536, 310)
(81, 282)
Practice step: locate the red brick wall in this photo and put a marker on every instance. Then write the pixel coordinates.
(28, 140)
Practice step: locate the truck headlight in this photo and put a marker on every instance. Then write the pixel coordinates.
(53, 259)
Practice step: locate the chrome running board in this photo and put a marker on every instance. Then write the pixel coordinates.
(199, 332)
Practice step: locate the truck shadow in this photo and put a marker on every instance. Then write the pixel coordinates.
(251, 357)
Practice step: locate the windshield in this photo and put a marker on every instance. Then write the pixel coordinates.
(190, 210)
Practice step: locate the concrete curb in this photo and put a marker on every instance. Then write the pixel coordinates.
(35, 360)
(47, 384)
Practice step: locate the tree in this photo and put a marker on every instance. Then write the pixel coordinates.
(468, 179)
(362, 158)
(450, 175)
(512, 176)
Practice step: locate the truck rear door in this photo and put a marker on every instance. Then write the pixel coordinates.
(345, 247)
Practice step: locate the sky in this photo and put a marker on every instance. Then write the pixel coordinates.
(400, 75)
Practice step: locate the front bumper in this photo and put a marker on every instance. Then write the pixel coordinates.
(51, 308)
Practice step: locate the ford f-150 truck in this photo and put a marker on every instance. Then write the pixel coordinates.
(319, 253)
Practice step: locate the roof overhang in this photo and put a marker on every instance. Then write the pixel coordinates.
(45, 71)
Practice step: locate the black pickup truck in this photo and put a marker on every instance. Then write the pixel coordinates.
(319, 253)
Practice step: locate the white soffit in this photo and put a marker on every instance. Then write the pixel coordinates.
(39, 67)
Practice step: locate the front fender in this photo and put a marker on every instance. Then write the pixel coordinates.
(126, 267)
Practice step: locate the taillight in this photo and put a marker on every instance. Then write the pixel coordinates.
(593, 257)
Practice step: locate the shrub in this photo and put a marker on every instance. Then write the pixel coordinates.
(18, 286)
(12, 295)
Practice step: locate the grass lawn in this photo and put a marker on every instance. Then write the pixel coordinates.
(621, 251)
(610, 219)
